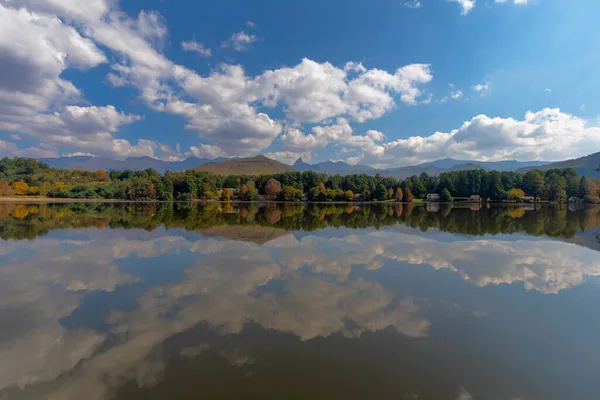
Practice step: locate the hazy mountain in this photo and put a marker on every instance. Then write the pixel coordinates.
(585, 166)
(405, 172)
(134, 163)
(257, 165)
(508, 165)
(262, 165)
(335, 168)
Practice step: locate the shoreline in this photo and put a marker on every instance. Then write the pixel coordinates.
(49, 200)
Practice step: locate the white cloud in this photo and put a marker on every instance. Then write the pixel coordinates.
(206, 151)
(412, 4)
(341, 132)
(222, 108)
(466, 5)
(88, 128)
(34, 51)
(251, 24)
(516, 2)
(481, 88)
(9, 149)
(548, 134)
(240, 41)
(456, 95)
(192, 45)
(289, 157)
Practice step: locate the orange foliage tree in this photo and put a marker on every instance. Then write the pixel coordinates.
(272, 188)
(408, 196)
(102, 176)
(6, 190)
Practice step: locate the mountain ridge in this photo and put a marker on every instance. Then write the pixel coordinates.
(585, 166)
(90, 163)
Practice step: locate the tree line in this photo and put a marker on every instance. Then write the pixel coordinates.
(19, 177)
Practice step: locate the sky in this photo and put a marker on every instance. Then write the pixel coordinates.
(386, 83)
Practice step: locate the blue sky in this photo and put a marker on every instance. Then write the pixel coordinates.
(385, 83)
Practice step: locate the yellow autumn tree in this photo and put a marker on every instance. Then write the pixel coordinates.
(349, 195)
(226, 195)
(20, 188)
(515, 194)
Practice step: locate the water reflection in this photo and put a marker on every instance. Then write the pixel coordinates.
(151, 302)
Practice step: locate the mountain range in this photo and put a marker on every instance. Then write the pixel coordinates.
(432, 168)
(585, 166)
(89, 163)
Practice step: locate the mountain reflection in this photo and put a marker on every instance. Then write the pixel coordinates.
(234, 301)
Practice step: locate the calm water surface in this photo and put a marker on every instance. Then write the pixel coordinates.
(109, 301)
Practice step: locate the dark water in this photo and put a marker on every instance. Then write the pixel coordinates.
(109, 301)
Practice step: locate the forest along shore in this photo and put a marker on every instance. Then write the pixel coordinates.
(29, 179)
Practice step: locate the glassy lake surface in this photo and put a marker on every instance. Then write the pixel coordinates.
(133, 301)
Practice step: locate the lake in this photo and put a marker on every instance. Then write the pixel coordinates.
(249, 301)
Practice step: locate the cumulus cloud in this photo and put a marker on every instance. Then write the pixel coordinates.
(36, 48)
(548, 134)
(341, 133)
(466, 5)
(207, 151)
(192, 45)
(225, 114)
(34, 51)
(85, 128)
(240, 41)
(226, 108)
(289, 157)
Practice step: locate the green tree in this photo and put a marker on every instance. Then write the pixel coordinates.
(534, 183)
(556, 188)
(446, 196)
(417, 187)
(290, 193)
(45, 187)
(380, 193)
